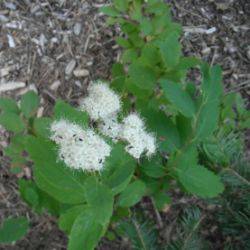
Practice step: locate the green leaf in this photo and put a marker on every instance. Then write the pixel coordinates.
(8, 105)
(200, 181)
(37, 199)
(146, 26)
(129, 55)
(110, 11)
(208, 113)
(63, 110)
(211, 86)
(52, 176)
(128, 27)
(174, 75)
(136, 11)
(157, 7)
(186, 158)
(165, 130)
(150, 55)
(42, 126)
(187, 63)
(153, 167)
(111, 236)
(49, 204)
(119, 169)
(120, 213)
(123, 42)
(142, 76)
(99, 196)
(117, 70)
(136, 40)
(13, 229)
(12, 122)
(28, 192)
(121, 5)
(185, 129)
(170, 49)
(191, 88)
(163, 24)
(132, 194)
(17, 161)
(29, 103)
(85, 232)
(15, 151)
(153, 185)
(207, 119)
(180, 98)
(67, 219)
(137, 91)
(118, 76)
(16, 146)
(161, 199)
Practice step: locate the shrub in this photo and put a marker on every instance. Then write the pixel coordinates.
(91, 164)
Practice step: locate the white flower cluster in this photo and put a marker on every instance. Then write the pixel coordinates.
(101, 102)
(83, 149)
(79, 148)
(103, 105)
(133, 131)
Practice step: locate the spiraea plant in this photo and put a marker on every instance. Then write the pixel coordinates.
(146, 131)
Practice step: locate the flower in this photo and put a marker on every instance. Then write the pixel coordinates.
(135, 148)
(133, 131)
(133, 120)
(63, 131)
(79, 148)
(110, 127)
(150, 144)
(101, 101)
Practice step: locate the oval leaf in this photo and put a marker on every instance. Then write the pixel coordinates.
(167, 134)
(53, 176)
(63, 110)
(29, 103)
(170, 49)
(85, 233)
(99, 196)
(42, 126)
(200, 181)
(8, 105)
(142, 76)
(12, 122)
(180, 98)
(13, 229)
(67, 219)
(119, 169)
(153, 167)
(208, 114)
(132, 194)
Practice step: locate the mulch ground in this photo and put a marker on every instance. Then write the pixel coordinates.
(56, 47)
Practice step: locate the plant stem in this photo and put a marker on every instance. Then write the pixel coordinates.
(157, 214)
